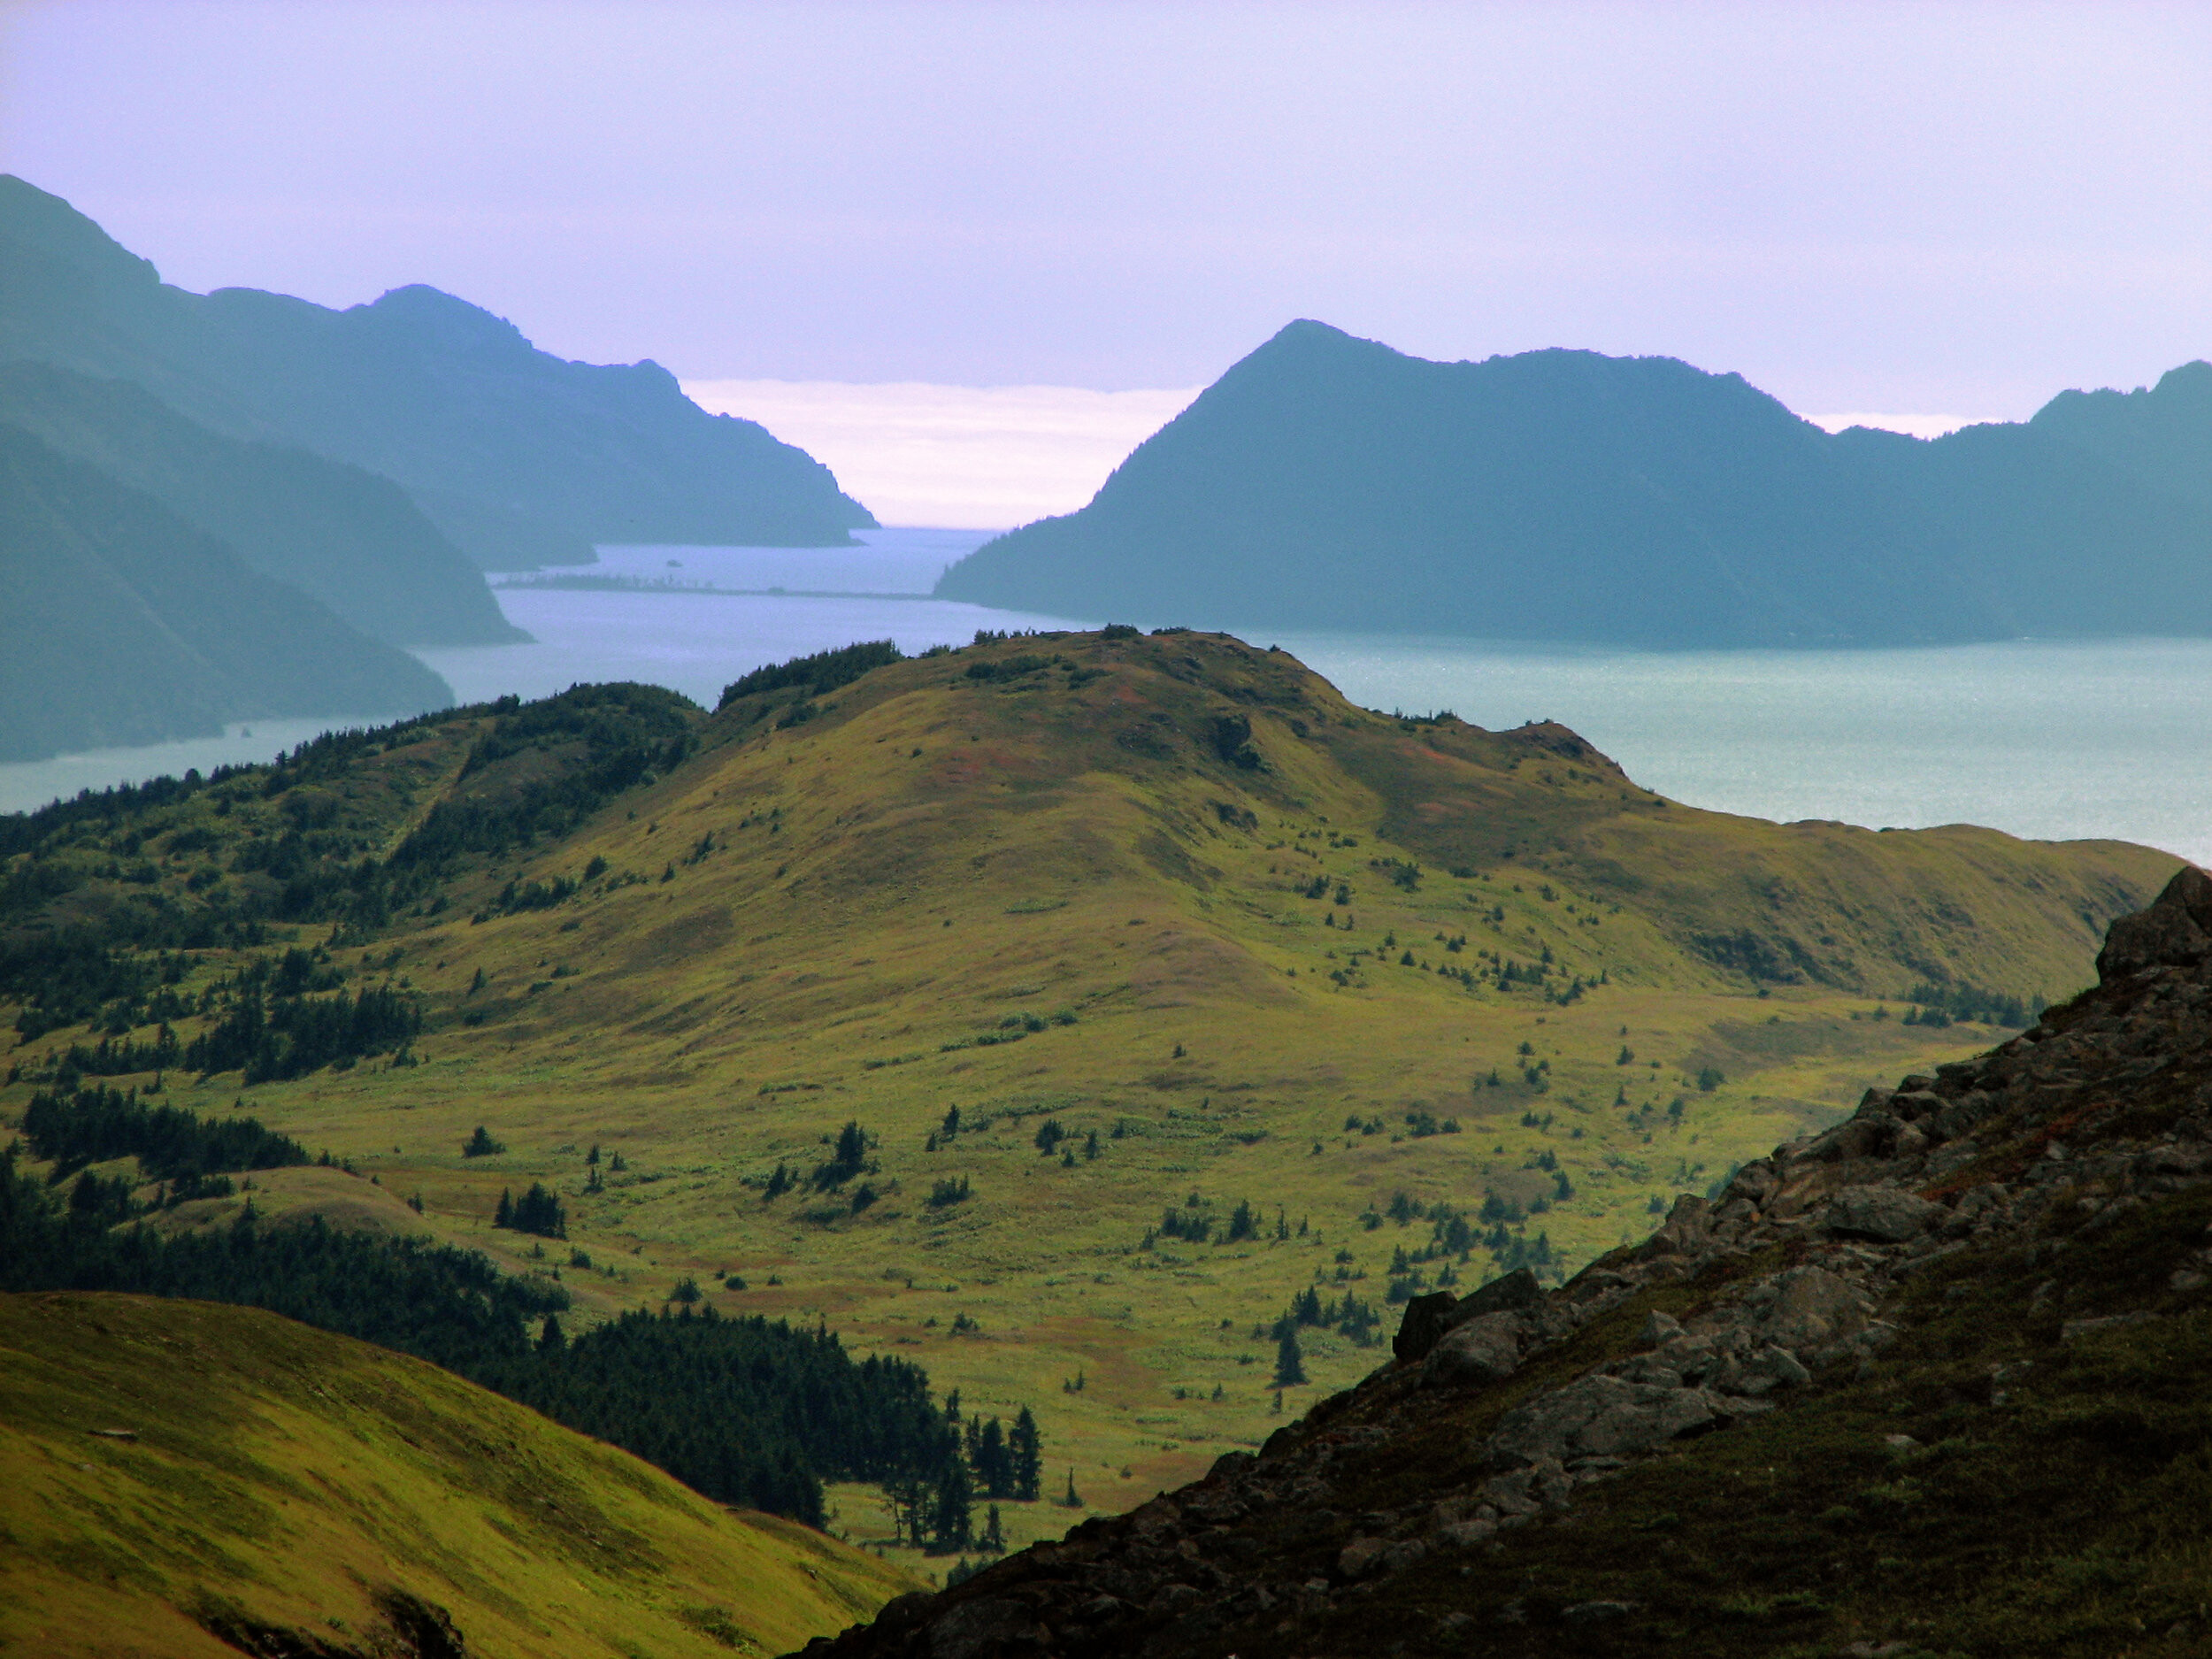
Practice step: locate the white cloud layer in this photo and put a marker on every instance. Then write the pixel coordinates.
(1912, 425)
(982, 458)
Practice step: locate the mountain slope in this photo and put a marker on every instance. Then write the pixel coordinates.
(1173, 927)
(519, 456)
(120, 623)
(2163, 434)
(1931, 1382)
(193, 1478)
(1326, 482)
(349, 539)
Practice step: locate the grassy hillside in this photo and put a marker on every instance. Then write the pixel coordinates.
(1156, 892)
(189, 1478)
(1930, 1385)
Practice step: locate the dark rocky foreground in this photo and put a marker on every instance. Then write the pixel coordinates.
(1961, 1314)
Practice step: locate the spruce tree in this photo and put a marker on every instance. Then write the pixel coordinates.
(1026, 1456)
(1290, 1365)
(994, 1467)
(951, 1508)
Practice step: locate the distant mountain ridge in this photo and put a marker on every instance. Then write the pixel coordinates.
(2162, 433)
(521, 458)
(1327, 482)
(121, 623)
(346, 537)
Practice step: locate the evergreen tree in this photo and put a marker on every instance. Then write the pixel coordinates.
(505, 1214)
(992, 1464)
(1025, 1449)
(1290, 1365)
(951, 1509)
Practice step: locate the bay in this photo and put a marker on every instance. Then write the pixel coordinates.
(2048, 740)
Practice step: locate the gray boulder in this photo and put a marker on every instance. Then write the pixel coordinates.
(1483, 1350)
(1427, 1318)
(1811, 1306)
(1887, 1215)
(2176, 931)
(1600, 1417)
(972, 1628)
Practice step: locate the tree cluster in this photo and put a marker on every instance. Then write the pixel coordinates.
(537, 1212)
(92, 1126)
(746, 1411)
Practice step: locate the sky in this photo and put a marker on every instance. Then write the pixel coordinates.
(1930, 214)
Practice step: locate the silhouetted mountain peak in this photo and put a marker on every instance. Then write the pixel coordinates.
(1327, 481)
(2163, 434)
(438, 321)
(521, 458)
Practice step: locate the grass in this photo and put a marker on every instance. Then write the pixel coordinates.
(171, 1463)
(864, 917)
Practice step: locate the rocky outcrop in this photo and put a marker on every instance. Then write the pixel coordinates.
(1504, 1406)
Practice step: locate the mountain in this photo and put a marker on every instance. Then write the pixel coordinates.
(2164, 436)
(1931, 1382)
(344, 536)
(1326, 482)
(120, 622)
(192, 1478)
(1159, 986)
(521, 458)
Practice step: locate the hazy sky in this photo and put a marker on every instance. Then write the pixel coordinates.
(1860, 207)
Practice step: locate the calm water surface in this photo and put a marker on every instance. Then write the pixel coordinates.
(2043, 739)
(2051, 740)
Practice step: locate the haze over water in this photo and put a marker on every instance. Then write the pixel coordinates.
(2052, 741)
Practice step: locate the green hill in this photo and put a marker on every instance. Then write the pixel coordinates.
(1163, 986)
(120, 622)
(1932, 1383)
(1330, 483)
(188, 1478)
(343, 536)
(521, 458)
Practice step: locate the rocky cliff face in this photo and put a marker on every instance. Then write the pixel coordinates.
(1932, 1382)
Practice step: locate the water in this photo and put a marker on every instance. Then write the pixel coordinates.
(33, 783)
(2050, 739)
(899, 561)
(2043, 739)
(697, 643)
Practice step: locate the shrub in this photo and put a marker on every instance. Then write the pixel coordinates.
(481, 1145)
(819, 674)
